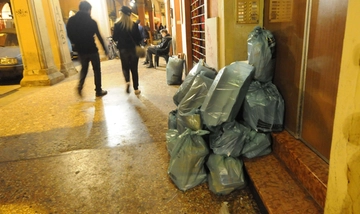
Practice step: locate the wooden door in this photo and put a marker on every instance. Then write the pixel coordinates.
(327, 27)
(308, 54)
(289, 36)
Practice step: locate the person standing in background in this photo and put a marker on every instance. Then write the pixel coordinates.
(160, 27)
(143, 32)
(157, 26)
(81, 29)
(147, 33)
(147, 27)
(127, 36)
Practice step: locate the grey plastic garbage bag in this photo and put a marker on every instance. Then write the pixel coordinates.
(261, 53)
(174, 70)
(264, 107)
(195, 97)
(226, 94)
(171, 139)
(200, 67)
(226, 174)
(230, 139)
(258, 144)
(187, 160)
(190, 120)
(172, 119)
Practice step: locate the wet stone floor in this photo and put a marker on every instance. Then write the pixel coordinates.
(63, 154)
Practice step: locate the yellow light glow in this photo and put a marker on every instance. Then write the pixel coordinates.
(8, 61)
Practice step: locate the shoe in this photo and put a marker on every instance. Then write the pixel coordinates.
(137, 91)
(79, 92)
(150, 66)
(101, 93)
(128, 87)
(145, 63)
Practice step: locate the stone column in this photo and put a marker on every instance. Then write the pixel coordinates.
(58, 37)
(39, 66)
(157, 11)
(141, 11)
(151, 18)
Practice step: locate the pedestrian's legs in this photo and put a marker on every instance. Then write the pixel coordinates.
(125, 63)
(134, 70)
(95, 62)
(84, 60)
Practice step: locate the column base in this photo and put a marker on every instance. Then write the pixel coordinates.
(68, 69)
(42, 79)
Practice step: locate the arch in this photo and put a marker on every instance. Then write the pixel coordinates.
(6, 20)
(6, 11)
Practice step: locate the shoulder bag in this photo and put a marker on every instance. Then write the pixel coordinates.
(140, 52)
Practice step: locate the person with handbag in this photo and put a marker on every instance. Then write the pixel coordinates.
(81, 29)
(128, 38)
(166, 38)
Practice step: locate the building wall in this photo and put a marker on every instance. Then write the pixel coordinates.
(233, 36)
(343, 195)
(212, 8)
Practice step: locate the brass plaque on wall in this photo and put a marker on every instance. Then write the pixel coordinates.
(247, 12)
(281, 10)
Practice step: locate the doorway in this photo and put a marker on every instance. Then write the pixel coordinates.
(309, 47)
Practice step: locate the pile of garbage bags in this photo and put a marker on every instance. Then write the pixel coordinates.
(223, 116)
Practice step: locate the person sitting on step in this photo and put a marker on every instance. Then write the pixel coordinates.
(166, 38)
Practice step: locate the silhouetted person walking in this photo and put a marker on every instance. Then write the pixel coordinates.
(81, 29)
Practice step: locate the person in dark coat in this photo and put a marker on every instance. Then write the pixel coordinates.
(143, 32)
(166, 38)
(160, 27)
(81, 29)
(127, 36)
(147, 30)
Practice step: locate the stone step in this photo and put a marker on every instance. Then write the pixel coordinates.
(277, 189)
(304, 164)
